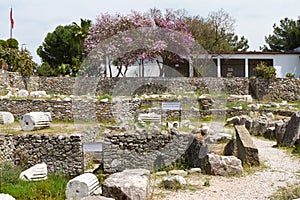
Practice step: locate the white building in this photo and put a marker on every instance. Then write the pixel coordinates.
(242, 63)
(239, 64)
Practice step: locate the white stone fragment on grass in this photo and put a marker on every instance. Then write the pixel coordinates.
(194, 171)
(162, 173)
(38, 94)
(22, 93)
(173, 181)
(35, 120)
(37, 172)
(104, 100)
(6, 197)
(82, 186)
(178, 172)
(6, 118)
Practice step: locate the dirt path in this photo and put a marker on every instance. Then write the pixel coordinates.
(281, 170)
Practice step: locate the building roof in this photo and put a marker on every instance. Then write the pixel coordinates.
(256, 53)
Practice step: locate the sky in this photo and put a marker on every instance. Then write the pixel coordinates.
(35, 18)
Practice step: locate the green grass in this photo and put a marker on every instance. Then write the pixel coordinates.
(50, 189)
(252, 169)
(105, 96)
(56, 127)
(297, 104)
(244, 105)
(293, 151)
(287, 193)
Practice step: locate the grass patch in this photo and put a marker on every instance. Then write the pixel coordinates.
(207, 182)
(287, 193)
(244, 105)
(252, 169)
(3, 92)
(293, 151)
(297, 105)
(56, 127)
(50, 189)
(105, 96)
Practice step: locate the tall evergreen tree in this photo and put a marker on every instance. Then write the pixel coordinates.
(285, 36)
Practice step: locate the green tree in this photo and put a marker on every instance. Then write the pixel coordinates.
(216, 32)
(25, 65)
(285, 36)
(65, 46)
(12, 43)
(45, 70)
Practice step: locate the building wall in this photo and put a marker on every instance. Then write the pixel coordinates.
(283, 63)
(287, 64)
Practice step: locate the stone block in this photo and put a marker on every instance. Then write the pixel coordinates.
(194, 171)
(38, 94)
(127, 185)
(247, 151)
(221, 165)
(6, 118)
(173, 182)
(178, 172)
(233, 120)
(96, 198)
(292, 130)
(82, 186)
(22, 93)
(280, 127)
(231, 148)
(37, 172)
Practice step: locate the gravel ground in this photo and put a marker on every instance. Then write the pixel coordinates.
(281, 170)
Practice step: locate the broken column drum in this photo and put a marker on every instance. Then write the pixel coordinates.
(82, 186)
(35, 120)
(37, 172)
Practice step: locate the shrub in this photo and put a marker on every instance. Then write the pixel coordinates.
(290, 75)
(264, 71)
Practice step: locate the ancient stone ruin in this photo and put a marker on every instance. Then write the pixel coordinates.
(247, 151)
(35, 120)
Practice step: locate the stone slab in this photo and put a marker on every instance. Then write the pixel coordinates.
(247, 151)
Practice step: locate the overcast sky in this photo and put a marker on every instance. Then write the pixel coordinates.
(35, 18)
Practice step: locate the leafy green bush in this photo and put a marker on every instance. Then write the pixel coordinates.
(290, 75)
(264, 71)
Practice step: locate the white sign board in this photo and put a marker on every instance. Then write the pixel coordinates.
(171, 105)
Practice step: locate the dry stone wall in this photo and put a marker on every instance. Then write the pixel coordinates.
(60, 153)
(146, 150)
(276, 89)
(65, 85)
(106, 111)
